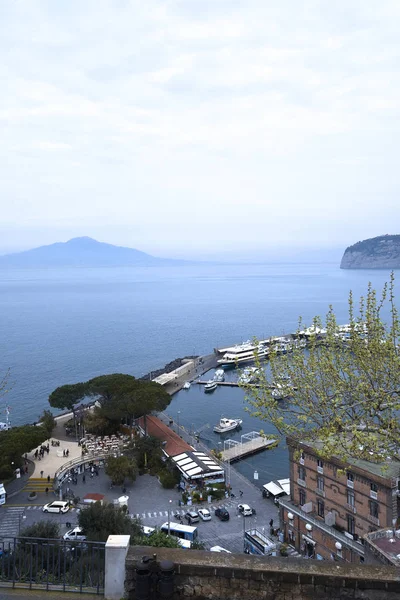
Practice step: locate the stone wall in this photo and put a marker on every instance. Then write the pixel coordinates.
(209, 575)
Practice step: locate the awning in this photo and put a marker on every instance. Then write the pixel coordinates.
(308, 540)
(285, 485)
(273, 488)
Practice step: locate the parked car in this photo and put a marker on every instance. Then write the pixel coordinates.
(75, 534)
(222, 514)
(220, 549)
(204, 514)
(245, 510)
(57, 506)
(192, 517)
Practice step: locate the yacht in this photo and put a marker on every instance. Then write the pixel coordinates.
(249, 375)
(281, 391)
(242, 353)
(210, 386)
(186, 385)
(227, 425)
(219, 375)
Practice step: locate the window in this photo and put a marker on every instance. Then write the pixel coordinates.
(374, 487)
(350, 476)
(302, 497)
(320, 483)
(351, 525)
(374, 509)
(320, 508)
(350, 498)
(320, 463)
(302, 473)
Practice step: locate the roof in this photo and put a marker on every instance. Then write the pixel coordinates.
(94, 497)
(387, 542)
(274, 488)
(173, 444)
(195, 465)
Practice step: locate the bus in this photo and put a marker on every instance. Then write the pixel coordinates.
(183, 532)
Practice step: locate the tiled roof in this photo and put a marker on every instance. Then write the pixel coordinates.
(173, 443)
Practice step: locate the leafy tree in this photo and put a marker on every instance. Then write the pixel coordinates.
(67, 397)
(42, 529)
(14, 443)
(120, 468)
(48, 422)
(101, 520)
(344, 388)
(158, 539)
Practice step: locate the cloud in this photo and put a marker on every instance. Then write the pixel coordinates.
(170, 112)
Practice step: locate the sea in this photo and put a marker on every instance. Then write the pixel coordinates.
(60, 326)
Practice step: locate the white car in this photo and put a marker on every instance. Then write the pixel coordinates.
(204, 514)
(57, 506)
(245, 510)
(75, 534)
(219, 549)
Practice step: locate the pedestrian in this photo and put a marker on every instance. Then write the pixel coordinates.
(241, 493)
(26, 470)
(64, 452)
(271, 523)
(84, 478)
(41, 474)
(48, 478)
(67, 452)
(47, 491)
(91, 474)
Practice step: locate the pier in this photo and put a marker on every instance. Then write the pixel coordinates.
(227, 383)
(250, 443)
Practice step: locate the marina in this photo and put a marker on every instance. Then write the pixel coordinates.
(251, 443)
(226, 383)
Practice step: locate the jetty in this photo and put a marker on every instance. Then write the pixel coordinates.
(250, 443)
(227, 383)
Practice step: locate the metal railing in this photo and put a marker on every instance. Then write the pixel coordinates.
(53, 564)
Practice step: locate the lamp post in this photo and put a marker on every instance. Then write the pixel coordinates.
(169, 518)
(179, 412)
(228, 471)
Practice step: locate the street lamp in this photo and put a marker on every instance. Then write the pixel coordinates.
(228, 462)
(179, 412)
(169, 518)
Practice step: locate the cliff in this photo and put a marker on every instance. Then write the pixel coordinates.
(382, 252)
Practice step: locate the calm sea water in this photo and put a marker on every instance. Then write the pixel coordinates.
(64, 326)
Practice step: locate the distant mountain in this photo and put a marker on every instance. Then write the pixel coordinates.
(83, 252)
(382, 252)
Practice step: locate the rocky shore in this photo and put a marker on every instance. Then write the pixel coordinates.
(382, 252)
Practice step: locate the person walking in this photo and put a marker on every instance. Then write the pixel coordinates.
(41, 474)
(47, 491)
(48, 478)
(241, 493)
(84, 478)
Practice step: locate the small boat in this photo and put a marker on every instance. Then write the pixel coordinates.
(210, 386)
(227, 425)
(186, 385)
(249, 375)
(219, 375)
(281, 391)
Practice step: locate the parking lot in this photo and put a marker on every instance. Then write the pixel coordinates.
(151, 503)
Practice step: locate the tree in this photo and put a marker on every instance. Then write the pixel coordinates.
(98, 521)
(42, 529)
(67, 397)
(344, 387)
(120, 468)
(14, 443)
(48, 422)
(158, 539)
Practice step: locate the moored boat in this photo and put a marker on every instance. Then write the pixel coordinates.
(227, 425)
(186, 385)
(210, 386)
(219, 375)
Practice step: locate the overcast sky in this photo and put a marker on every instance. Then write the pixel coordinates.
(199, 126)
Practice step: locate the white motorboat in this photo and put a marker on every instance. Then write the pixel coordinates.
(186, 385)
(282, 390)
(219, 375)
(210, 386)
(249, 375)
(227, 425)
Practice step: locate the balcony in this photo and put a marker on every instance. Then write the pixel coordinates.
(301, 461)
(320, 492)
(373, 520)
(351, 508)
(350, 484)
(320, 470)
(301, 482)
(373, 495)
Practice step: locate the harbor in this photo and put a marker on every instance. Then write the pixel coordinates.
(251, 443)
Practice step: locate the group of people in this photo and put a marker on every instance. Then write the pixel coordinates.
(39, 452)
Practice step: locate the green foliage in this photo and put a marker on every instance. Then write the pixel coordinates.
(67, 396)
(159, 539)
(120, 468)
(345, 389)
(101, 520)
(147, 452)
(48, 422)
(197, 545)
(169, 479)
(14, 443)
(42, 529)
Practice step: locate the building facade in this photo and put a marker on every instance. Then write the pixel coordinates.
(333, 505)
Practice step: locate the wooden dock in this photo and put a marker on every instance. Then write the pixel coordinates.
(243, 449)
(227, 383)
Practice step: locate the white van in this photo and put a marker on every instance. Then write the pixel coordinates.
(75, 534)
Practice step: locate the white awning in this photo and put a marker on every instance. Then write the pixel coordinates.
(285, 485)
(273, 488)
(308, 540)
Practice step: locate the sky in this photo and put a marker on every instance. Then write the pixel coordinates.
(191, 128)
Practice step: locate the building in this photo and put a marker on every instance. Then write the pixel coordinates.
(382, 547)
(333, 506)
